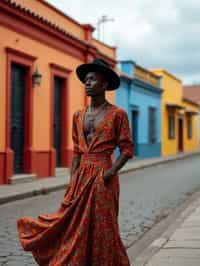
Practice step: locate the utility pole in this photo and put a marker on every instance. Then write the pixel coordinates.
(100, 22)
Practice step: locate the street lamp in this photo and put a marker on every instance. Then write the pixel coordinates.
(101, 21)
(36, 78)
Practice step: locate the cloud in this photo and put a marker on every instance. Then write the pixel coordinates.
(164, 34)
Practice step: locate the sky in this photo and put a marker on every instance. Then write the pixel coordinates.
(154, 34)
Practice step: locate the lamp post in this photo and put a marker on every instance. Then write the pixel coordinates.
(101, 21)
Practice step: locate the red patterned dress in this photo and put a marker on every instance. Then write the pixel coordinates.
(84, 231)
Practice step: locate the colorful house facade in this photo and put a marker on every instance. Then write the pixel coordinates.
(140, 95)
(36, 117)
(190, 120)
(192, 92)
(179, 117)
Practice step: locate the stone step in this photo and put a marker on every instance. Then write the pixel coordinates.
(62, 171)
(23, 178)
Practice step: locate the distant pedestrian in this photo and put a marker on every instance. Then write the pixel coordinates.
(85, 231)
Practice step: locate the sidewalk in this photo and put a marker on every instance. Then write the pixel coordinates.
(179, 245)
(14, 192)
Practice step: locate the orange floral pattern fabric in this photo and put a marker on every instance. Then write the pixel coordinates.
(84, 231)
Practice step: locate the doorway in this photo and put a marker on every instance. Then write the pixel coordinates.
(17, 116)
(57, 122)
(134, 123)
(180, 135)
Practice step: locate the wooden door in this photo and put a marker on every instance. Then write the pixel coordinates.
(18, 75)
(180, 135)
(58, 84)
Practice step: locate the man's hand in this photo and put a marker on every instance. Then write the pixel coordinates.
(108, 175)
(118, 164)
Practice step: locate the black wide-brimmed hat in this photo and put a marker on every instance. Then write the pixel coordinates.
(100, 66)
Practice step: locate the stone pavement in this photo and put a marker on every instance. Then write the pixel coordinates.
(179, 245)
(14, 192)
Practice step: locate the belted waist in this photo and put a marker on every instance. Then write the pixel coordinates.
(96, 158)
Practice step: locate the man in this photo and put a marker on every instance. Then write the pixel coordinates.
(85, 229)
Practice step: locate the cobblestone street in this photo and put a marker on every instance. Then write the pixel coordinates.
(147, 196)
(81, 99)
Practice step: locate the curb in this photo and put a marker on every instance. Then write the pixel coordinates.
(177, 217)
(45, 186)
(31, 193)
(158, 161)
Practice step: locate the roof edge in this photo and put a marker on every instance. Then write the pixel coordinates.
(45, 2)
(190, 101)
(167, 73)
(12, 5)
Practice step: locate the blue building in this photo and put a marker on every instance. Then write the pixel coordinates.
(140, 95)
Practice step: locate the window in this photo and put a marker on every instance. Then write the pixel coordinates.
(171, 127)
(189, 127)
(152, 124)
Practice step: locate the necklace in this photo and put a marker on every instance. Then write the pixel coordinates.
(92, 115)
(96, 112)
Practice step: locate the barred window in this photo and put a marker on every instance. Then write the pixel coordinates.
(189, 127)
(152, 124)
(171, 127)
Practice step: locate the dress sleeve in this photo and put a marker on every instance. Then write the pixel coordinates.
(76, 149)
(124, 138)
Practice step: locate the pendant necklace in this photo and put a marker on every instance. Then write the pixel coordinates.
(92, 115)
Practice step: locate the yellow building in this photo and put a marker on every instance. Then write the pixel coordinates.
(179, 121)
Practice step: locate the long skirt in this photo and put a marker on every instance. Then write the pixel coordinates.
(84, 231)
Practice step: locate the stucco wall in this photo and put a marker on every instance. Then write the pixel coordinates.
(172, 93)
(55, 16)
(192, 143)
(30, 41)
(199, 126)
(134, 97)
(41, 95)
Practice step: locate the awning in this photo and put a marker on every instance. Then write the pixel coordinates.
(174, 106)
(191, 112)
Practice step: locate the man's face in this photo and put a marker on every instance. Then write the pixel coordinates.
(95, 84)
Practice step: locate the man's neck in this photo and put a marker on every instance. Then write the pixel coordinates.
(97, 101)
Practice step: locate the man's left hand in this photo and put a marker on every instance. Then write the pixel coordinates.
(108, 175)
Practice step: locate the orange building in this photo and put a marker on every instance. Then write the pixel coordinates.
(36, 119)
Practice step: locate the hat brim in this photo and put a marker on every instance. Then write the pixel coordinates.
(110, 75)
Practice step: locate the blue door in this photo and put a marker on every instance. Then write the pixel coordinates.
(134, 122)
